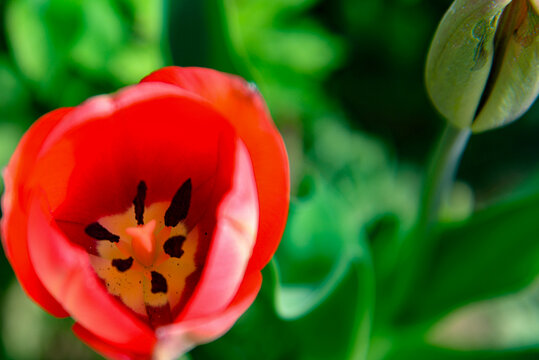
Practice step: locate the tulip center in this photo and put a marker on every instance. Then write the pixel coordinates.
(146, 255)
(143, 243)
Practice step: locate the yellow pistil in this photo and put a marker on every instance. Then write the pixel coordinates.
(143, 243)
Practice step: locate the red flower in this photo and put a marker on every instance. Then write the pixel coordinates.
(148, 215)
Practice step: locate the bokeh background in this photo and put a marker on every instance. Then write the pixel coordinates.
(344, 82)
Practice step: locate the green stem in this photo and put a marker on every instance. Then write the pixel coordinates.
(440, 175)
(359, 346)
(439, 179)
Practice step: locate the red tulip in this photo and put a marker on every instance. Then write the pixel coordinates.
(147, 215)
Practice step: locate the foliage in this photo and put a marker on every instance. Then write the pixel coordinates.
(344, 82)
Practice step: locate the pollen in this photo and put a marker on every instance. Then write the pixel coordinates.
(146, 254)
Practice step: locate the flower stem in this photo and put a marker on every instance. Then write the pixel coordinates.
(438, 180)
(440, 175)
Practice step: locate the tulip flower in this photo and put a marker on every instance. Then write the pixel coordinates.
(147, 215)
(483, 66)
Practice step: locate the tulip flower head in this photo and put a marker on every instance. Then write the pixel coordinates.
(147, 215)
(483, 66)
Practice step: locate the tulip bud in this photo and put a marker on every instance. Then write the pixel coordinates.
(483, 65)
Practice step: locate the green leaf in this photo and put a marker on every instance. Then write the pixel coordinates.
(321, 53)
(317, 294)
(14, 96)
(339, 327)
(9, 137)
(383, 236)
(312, 257)
(327, 282)
(199, 37)
(315, 235)
(28, 39)
(293, 301)
(104, 31)
(428, 352)
(258, 334)
(495, 252)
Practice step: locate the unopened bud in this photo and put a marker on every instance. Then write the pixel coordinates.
(483, 66)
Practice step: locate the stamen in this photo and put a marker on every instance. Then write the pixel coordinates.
(139, 202)
(173, 246)
(152, 268)
(98, 232)
(179, 206)
(122, 264)
(159, 283)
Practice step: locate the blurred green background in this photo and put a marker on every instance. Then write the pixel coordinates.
(344, 82)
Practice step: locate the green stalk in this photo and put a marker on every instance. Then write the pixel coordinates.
(440, 175)
(438, 181)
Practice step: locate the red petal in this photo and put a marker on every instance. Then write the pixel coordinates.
(105, 348)
(93, 169)
(152, 132)
(67, 274)
(176, 339)
(246, 111)
(233, 240)
(13, 225)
